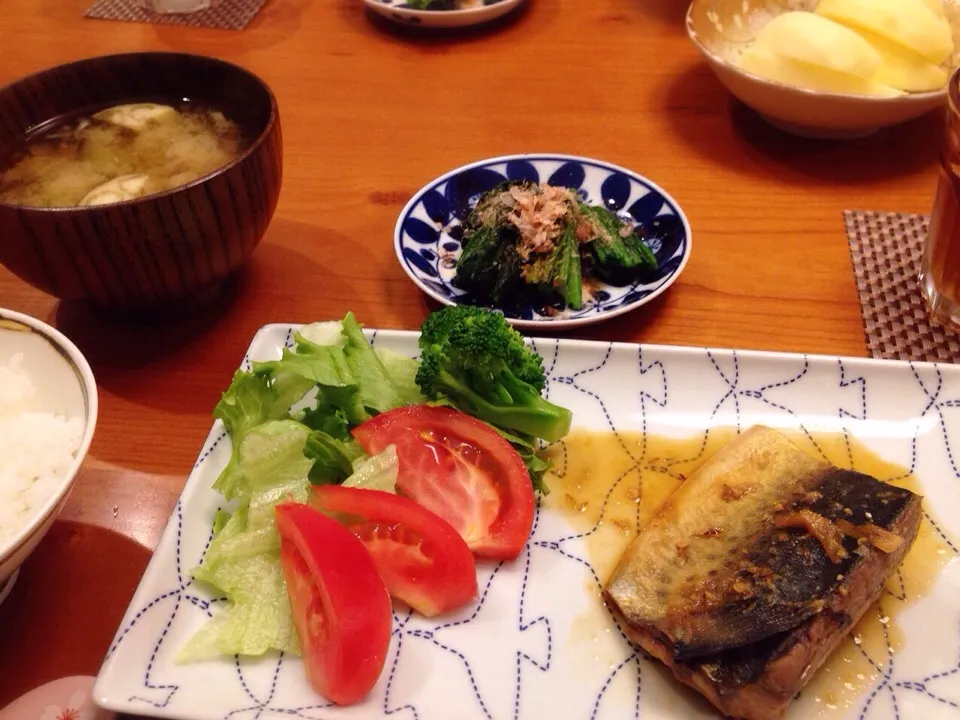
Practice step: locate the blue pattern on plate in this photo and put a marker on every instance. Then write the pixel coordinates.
(646, 208)
(447, 202)
(570, 174)
(733, 385)
(464, 189)
(522, 170)
(421, 232)
(615, 191)
(472, 13)
(436, 206)
(418, 261)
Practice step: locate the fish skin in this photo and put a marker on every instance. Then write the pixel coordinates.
(760, 680)
(686, 575)
(750, 652)
(803, 576)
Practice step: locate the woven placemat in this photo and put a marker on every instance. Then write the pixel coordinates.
(227, 15)
(886, 249)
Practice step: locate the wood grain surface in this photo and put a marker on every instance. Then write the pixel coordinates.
(369, 115)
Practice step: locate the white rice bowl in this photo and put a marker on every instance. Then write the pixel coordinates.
(37, 450)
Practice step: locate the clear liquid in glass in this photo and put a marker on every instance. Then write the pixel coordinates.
(940, 267)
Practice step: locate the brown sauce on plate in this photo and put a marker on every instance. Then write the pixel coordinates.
(614, 483)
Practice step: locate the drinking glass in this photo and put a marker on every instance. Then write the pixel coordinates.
(940, 267)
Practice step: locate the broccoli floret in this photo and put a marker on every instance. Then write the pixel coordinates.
(474, 359)
(618, 255)
(481, 340)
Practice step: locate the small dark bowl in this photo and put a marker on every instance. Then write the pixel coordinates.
(160, 251)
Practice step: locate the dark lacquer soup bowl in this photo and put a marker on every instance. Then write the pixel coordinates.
(167, 248)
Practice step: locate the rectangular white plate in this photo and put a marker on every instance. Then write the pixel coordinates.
(513, 654)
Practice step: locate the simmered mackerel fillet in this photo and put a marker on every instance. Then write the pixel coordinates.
(757, 566)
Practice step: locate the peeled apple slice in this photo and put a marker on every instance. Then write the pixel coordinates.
(936, 7)
(125, 187)
(817, 41)
(910, 23)
(135, 116)
(810, 77)
(905, 69)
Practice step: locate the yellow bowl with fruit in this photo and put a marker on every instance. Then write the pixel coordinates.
(831, 68)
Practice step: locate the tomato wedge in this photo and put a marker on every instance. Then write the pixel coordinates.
(340, 605)
(460, 469)
(422, 560)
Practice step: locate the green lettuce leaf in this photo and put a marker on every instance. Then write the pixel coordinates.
(243, 560)
(270, 456)
(378, 472)
(255, 621)
(289, 421)
(332, 458)
(327, 418)
(526, 448)
(376, 389)
(251, 400)
(402, 371)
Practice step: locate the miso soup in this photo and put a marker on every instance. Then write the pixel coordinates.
(120, 153)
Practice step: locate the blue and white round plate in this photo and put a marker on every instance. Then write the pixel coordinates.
(472, 12)
(427, 235)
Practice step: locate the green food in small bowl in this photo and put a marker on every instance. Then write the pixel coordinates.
(526, 244)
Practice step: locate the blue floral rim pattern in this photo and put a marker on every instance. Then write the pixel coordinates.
(484, 11)
(429, 230)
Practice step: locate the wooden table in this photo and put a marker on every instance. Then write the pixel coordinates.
(369, 115)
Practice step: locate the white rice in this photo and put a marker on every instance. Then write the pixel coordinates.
(36, 449)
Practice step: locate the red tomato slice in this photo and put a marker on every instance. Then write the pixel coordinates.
(460, 469)
(340, 605)
(422, 560)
